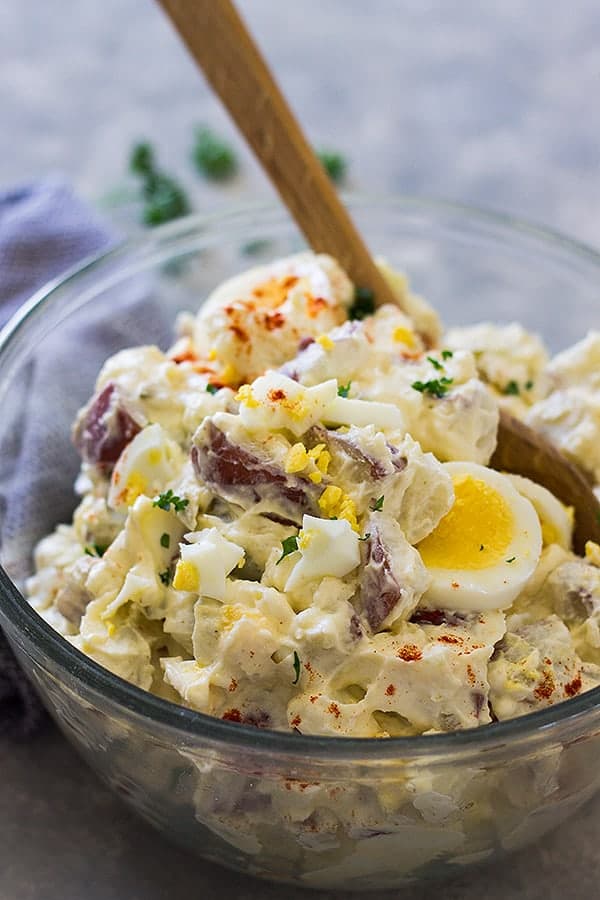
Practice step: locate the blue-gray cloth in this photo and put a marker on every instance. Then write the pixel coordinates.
(45, 229)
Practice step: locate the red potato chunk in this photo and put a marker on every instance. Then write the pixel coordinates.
(393, 577)
(105, 426)
(242, 475)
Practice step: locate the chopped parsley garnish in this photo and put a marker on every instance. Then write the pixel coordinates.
(364, 303)
(296, 668)
(377, 505)
(512, 559)
(366, 537)
(344, 389)
(164, 198)
(288, 545)
(213, 156)
(437, 387)
(447, 354)
(165, 576)
(96, 549)
(165, 540)
(528, 385)
(168, 498)
(511, 389)
(212, 388)
(436, 363)
(334, 164)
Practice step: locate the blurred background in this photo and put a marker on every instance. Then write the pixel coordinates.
(491, 103)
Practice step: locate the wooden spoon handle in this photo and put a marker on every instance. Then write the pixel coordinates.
(522, 450)
(219, 41)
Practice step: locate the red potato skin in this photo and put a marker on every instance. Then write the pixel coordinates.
(380, 590)
(104, 427)
(241, 476)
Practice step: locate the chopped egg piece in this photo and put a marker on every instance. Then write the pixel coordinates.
(206, 562)
(485, 549)
(592, 553)
(327, 547)
(274, 402)
(347, 411)
(145, 465)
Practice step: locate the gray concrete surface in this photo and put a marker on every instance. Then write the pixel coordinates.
(493, 104)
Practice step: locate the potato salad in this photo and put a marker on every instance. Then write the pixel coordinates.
(287, 520)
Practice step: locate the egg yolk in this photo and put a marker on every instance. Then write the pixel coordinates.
(475, 533)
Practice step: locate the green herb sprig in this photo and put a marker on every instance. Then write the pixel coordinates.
(334, 164)
(164, 198)
(436, 387)
(96, 549)
(288, 545)
(436, 363)
(168, 499)
(364, 303)
(296, 668)
(511, 389)
(213, 156)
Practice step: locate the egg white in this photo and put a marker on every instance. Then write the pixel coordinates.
(497, 585)
(557, 525)
(145, 466)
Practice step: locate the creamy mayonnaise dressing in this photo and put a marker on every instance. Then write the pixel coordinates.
(288, 519)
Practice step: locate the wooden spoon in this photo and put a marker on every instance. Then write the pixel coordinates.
(220, 43)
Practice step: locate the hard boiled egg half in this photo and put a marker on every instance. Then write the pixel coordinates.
(486, 548)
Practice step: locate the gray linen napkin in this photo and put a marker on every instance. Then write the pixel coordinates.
(44, 230)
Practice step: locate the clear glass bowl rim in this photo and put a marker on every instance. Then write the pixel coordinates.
(161, 243)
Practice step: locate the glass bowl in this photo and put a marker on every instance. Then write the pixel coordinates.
(322, 812)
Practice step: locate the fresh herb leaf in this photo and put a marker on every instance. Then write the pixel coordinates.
(377, 505)
(213, 156)
(165, 540)
(366, 537)
(334, 164)
(296, 668)
(212, 388)
(168, 498)
(436, 363)
(447, 354)
(96, 549)
(164, 198)
(511, 389)
(165, 576)
(141, 160)
(528, 385)
(437, 387)
(364, 303)
(288, 545)
(344, 389)
(512, 559)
